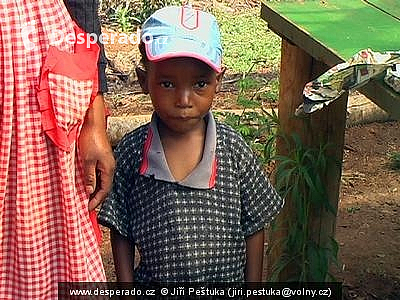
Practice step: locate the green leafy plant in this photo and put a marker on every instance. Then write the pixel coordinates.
(299, 178)
(257, 125)
(258, 128)
(395, 160)
(119, 15)
(353, 209)
(126, 15)
(123, 17)
(271, 90)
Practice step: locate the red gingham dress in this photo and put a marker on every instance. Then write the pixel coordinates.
(45, 232)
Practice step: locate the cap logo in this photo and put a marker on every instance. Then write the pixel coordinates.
(189, 18)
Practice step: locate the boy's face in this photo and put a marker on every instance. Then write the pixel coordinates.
(182, 90)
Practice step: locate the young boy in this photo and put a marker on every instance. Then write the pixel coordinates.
(188, 191)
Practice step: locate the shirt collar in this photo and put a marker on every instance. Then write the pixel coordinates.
(155, 164)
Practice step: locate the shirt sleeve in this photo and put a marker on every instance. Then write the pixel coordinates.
(85, 13)
(259, 199)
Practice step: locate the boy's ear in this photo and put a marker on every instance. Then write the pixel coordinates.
(142, 78)
(220, 75)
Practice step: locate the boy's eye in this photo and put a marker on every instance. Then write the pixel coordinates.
(167, 84)
(200, 84)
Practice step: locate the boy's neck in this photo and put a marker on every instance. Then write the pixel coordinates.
(167, 133)
(183, 151)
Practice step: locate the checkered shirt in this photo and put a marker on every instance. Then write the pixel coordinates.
(187, 234)
(45, 232)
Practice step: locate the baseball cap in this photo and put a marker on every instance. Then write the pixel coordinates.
(182, 31)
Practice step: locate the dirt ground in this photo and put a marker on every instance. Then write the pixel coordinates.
(368, 222)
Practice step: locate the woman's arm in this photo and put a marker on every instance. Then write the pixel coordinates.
(123, 254)
(94, 147)
(255, 255)
(96, 153)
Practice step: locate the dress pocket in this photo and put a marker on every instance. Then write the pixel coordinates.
(68, 84)
(70, 99)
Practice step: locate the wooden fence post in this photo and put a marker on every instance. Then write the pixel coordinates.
(325, 126)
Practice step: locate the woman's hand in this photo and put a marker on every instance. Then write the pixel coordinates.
(96, 153)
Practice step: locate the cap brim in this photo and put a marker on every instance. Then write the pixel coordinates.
(162, 48)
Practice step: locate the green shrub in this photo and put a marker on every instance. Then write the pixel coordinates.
(299, 179)
(128, 14)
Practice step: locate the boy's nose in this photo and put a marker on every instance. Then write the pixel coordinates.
(183, 98)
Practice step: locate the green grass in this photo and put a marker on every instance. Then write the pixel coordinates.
(246, 40)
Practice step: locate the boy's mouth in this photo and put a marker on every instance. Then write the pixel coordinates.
(184, 119)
